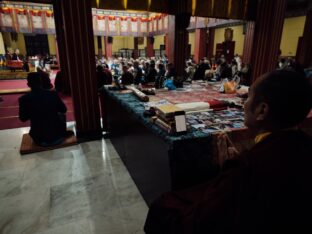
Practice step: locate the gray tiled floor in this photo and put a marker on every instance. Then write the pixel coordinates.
(79, 189)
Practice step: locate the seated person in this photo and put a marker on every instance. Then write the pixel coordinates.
(46, 112)
(126, 77)
(102, 77)
(137, 73)
(108, 73)
(151, 74)
(170, 71)
(200, 71)
(45, 79)
(59, 82)
(264, 190)
(15, 55)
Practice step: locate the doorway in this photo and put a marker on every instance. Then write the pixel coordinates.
(37, 44)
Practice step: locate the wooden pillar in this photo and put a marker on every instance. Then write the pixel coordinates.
(304, 57)
(62, 53)
(267, 37)
(57, 51)
(181, 42)
(150, 47)
(210, 42)
(169, 38)
(177, 37)
(100, 46)
(108, 47)
(136, 48)
(80, 60)
(200, 44)
(248, 42)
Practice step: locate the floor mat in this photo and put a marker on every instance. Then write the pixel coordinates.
(28, 146)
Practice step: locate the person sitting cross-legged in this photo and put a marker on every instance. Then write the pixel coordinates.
(46, 112)
(264, 190)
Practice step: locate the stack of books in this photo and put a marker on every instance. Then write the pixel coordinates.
(165, 117)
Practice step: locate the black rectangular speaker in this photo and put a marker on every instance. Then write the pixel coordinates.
(110, 40)
(162, 47)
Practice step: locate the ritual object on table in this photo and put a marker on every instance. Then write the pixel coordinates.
(163, 125)
(142, 96)
(194, 106)
(149, 91)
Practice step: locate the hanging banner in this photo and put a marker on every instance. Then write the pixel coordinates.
(134, 26)
(50, 24)
(101, 25)
(192, 22)
(123, 26)
(95, 24)
(6, 19)
(112, 25)
(166, 22)
(22, 21)
(150, 26)
(143, 26)
(160, 24)
(155, 21)
(36, 21)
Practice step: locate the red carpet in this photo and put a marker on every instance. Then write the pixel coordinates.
(18, 84)
(9, 111)
(13, 84)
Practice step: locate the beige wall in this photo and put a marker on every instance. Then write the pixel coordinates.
(52, 44)
(2, 49)
(19, 44)
(120, 42)
(238, 37)
(158, 40)
(292, 30)
(191, 41)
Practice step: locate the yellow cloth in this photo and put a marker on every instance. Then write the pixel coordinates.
(261, 136)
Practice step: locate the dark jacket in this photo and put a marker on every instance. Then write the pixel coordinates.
(266, 190)
(42, 108)
(127, 78)
(200, 71)
(151, 75)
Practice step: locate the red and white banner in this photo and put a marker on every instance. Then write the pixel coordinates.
(112, 25)
(150, 26)
(101, 25)
(166, 22)
(49, 20)
(22, 20)
(37, 21)
(160, 24)
(134, 25)
(123, 25)
(143, 25)
(6, 19)
(155, 21)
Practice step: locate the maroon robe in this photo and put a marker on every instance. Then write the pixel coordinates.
(266, 190)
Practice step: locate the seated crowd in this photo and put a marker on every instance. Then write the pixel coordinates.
(156, 70)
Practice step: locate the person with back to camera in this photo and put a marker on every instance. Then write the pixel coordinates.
(126, 77)
(264, 190)
(46, 112)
